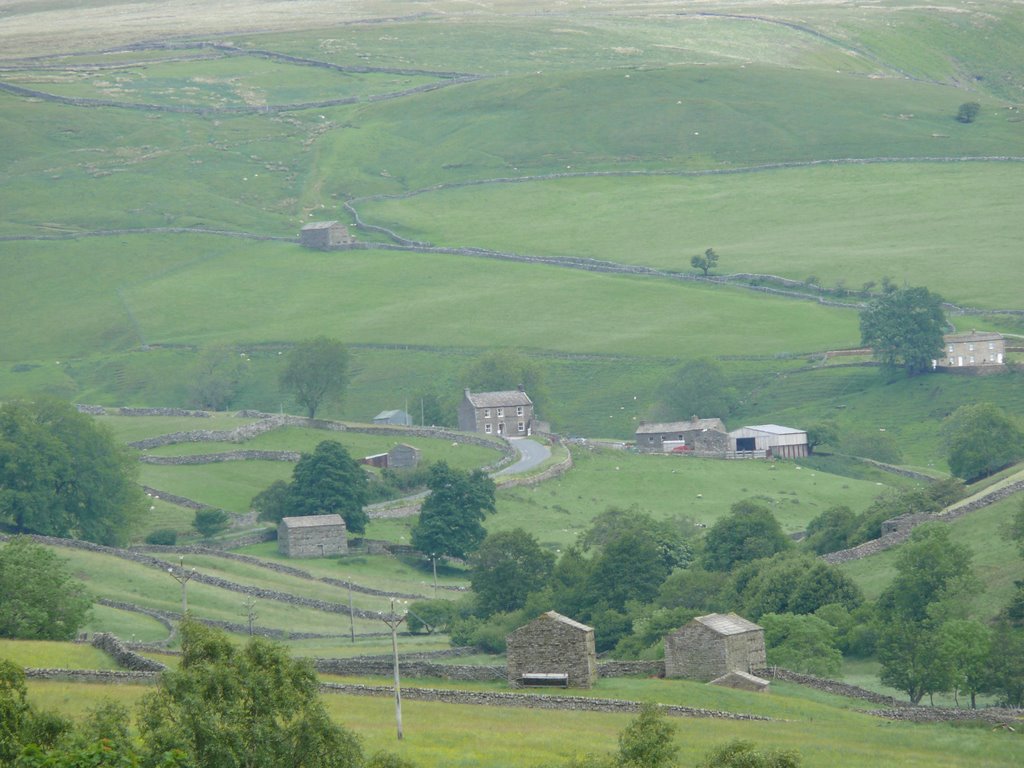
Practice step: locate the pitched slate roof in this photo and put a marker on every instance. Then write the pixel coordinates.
(312, 521)
(498, 399)
(680, 426)
(318, 225)
(727, 623)
(972, 336)
(555, 616)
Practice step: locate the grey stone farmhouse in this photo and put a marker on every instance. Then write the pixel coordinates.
(312, 536)
(974, 349)
(713, 645)
(697, 436)
(552, 649)
(508, 413)
(324, 235)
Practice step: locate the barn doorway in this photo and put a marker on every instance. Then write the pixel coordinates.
(746, 444)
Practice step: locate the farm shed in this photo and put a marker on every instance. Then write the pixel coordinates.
(769, 441)
(312, 536)
(325, 234)
(401, 418)
(508, 413)
(403, 456)
(698, 436)
(713, 645)
(974, 349)
(552, 649)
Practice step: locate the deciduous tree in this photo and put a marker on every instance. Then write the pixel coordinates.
(209, 522)
(802, 643)
(329, 481)
(706, 262)
(217, 376)
(982, 439)
(41, 601)
(904, 328)
(63, 474)
(507, 567)
(452, 515)
(242, 707)
(315, 372)
(750, 531)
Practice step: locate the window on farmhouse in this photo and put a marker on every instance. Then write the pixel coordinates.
(500, 412)
(487, 428)
(522, 426)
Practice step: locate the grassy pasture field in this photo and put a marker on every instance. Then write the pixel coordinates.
(631, 134)
(817, 725)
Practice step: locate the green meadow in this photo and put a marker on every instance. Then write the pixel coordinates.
(814, 142)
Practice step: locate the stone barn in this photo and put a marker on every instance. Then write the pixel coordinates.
(312, 536)
(399, 417)
(552, 650)
(712, 646)
(403, 456)
(700, 437)
(325, 234)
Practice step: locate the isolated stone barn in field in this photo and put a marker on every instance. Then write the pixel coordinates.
(325, 234)
(713, 645)
(312, 536)
(403, 456)
(552, 650)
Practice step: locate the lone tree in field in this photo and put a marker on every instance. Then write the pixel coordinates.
(316, 371)
(904, 328)
(968, 112)
(706, 262)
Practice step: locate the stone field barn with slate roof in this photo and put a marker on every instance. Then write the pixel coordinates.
(552, 645)
(312, 536)
(713, 645)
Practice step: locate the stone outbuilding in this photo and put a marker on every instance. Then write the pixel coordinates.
(700, 437)
(552, 650)
(324, 235)
(403, 456)
(398, 417)
(713, 645)
(312, 536)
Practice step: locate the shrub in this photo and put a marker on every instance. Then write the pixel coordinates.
(166, 537)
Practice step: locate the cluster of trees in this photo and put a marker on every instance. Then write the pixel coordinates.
(982, 439)
(63, 474)
(634, 578)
